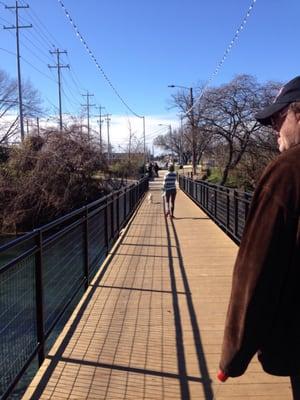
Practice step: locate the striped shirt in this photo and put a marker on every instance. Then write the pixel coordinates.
(169, 181)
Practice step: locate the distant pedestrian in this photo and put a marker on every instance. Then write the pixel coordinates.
(263, 313)
(150, 170)
(169, 186)
(156, 168)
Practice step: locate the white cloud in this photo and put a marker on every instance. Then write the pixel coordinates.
(119, 128)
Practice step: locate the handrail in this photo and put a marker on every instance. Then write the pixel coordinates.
(226, 207)
(43, 271)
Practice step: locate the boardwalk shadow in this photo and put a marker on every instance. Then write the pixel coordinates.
(58, 357)
(205, 378)
(172, 255)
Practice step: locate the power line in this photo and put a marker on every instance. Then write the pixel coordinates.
(71, 102)
(74, 76)
(39, 22)
(33, 53)
(8, 51)
(83, 41)
(39, 71)
(226, 52)
(39, 48)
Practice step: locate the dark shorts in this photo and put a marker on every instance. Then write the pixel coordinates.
(170, 194)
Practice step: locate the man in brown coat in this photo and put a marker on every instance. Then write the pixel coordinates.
(264, 310)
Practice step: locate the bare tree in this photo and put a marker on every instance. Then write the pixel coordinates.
(9, 119)
(170, 142)
(228, 114)
(45, 177)
(195, 137)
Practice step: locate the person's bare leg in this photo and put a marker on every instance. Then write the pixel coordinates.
(167, 196)
(173, 195)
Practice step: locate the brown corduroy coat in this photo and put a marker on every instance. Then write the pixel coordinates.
(264, 310)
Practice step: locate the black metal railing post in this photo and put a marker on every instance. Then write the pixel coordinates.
(125, 204)
(106, 225)
(227, 208)
(236, 211)
(112, 214)
(118, 211)
(215, 202)
(39, 297)
(86, 249)
(246, 204)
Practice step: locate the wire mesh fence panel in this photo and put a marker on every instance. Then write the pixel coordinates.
(18, 338)
(63, 266)
(115, 215)
(221, 208)
(51, 263)
(18, 249)
(121, 208)
(227, 207)
(127, 202)
(96, 240)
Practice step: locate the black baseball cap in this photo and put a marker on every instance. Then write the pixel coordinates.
(289, 93)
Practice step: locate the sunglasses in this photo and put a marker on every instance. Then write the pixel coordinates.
(278, 119)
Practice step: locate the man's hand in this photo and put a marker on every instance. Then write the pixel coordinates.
(222, 376)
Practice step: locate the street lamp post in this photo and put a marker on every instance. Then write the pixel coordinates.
(192, 124)
(181, 140)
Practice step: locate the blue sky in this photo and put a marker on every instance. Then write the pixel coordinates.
(145, 45)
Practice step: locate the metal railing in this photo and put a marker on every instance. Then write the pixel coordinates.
(227, 207)
(42, 272)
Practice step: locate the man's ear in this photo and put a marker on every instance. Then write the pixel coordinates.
(297, 115)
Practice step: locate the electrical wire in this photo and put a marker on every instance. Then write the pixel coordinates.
(39, 22)
(35, 68)
(41, 28)
(226, 52)
(32, 52)
(46, 54)
(8, 51)
(74, 78)
(83, 41)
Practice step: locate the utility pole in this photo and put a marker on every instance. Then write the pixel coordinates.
(38, 125)
(88, 105)
(181, 140)
(100, 127)
(59, 66)
(17, 27)
(108, 139)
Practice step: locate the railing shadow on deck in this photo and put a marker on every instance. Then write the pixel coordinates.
(205, 379)
(182, 375)
(58, 357)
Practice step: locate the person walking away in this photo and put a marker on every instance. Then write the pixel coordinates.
(263, 312)
(150, 170)
(156, 168)
(169, 186)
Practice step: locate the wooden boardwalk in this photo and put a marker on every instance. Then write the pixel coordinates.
(151, 324)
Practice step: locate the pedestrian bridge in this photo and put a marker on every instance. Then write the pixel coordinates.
(150, 324)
